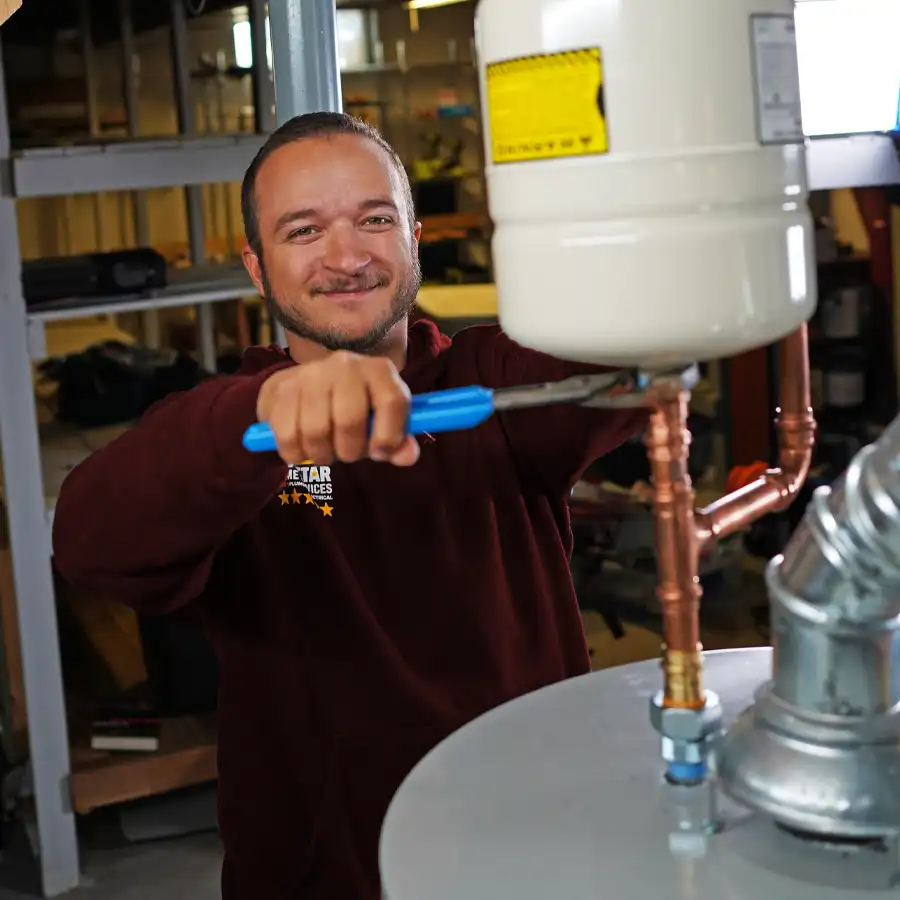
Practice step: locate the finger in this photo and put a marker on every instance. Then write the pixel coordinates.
(350, 415)
(408, 454)
(390, 399)
(316, 423)
(284, 422)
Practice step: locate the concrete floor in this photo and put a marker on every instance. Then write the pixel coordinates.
(187, 868)
(124, 855)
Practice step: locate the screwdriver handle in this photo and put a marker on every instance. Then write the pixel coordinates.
(452, 410)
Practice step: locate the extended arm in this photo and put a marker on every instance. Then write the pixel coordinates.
(141, 520)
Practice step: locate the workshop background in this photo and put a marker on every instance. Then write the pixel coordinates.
(107, 334)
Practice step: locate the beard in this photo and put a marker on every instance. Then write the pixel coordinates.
(402, 304)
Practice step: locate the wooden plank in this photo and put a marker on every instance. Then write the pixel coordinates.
(187, 757)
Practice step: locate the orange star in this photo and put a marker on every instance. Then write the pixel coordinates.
(326, 510)
(296, 496)
(285, 499)
(310, 499)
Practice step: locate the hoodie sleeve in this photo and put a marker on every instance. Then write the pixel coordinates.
(552, 445)
(140, 521)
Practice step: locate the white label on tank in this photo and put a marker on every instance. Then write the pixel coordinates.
(777, 77)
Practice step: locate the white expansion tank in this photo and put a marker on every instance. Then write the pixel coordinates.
(646, 176)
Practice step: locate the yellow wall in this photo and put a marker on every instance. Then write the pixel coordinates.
(848, 222)
(70, 225)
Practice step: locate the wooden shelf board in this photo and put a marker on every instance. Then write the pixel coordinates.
(187, 757)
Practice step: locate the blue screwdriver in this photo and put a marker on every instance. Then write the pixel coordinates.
(461, 408)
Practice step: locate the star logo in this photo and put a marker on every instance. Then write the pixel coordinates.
(309, 485)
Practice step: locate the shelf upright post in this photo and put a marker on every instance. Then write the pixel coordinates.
(92, 107)
(263, 90)
(187, 122)
(30, 545)
(305, 61)
(263, 100)
(149, 319)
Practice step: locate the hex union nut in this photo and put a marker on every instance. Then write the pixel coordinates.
(693, 725)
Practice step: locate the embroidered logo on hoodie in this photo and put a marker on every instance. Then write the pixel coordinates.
(309, 485)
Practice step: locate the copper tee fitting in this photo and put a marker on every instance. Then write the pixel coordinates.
(681, 534)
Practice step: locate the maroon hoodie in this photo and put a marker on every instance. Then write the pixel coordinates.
(361, 614)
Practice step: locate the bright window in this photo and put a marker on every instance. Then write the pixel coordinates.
(849, 65)
(352, 37)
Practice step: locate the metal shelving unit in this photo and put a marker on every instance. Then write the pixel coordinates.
(132, 165)
(305, 54)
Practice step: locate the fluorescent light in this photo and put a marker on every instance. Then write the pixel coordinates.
(429, 4)
(243, 44)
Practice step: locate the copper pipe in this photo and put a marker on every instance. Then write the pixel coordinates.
(681, 533)
(668, 444)
(776, 490)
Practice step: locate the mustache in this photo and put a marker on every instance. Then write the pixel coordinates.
(365, 282)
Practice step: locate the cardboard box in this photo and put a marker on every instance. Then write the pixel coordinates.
(7, 8)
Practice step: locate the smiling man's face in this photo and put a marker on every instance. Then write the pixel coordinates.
(339, 259)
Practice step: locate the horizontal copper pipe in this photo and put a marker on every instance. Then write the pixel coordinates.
(678, 586)
(776, 490)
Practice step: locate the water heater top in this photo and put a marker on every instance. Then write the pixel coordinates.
(559, 795)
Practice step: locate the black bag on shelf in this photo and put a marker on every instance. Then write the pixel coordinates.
(113, 383)
(93, 275)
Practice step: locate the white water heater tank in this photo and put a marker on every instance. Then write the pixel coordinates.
(646, 176)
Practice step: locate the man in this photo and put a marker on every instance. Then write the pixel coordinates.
(367, 604)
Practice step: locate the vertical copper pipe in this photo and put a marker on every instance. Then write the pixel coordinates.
(681, 534)
(775, 490)
(668, 445)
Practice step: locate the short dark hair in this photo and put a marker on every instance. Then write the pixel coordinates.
(312, 125)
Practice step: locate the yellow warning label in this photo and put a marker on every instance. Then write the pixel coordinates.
(547, 106)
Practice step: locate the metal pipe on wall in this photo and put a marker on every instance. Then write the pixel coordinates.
(305, 63)
(187, 124)
(305, 57)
